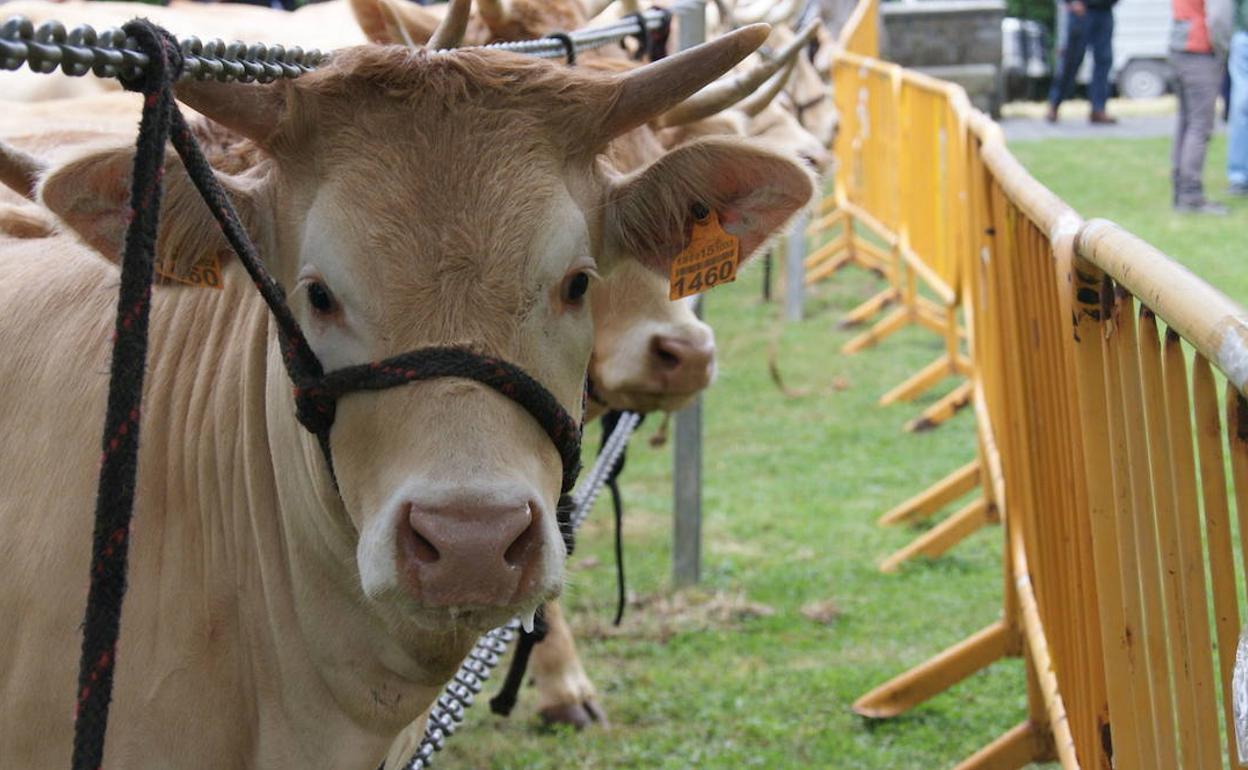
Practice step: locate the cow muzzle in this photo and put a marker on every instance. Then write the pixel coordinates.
(683, 365)
(470, 552)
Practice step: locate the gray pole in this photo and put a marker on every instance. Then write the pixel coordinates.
(687, 457)
(794, 269)
(692, 25)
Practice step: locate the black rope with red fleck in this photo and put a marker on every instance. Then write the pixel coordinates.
(316, 393)
(114, 503)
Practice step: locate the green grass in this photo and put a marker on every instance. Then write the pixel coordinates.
(792, 491)
(1128, 181)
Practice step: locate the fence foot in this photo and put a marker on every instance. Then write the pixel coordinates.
(942, 410)
(935, 497)
(869, 308)
(890, 323)
(824, 252)
(829, 267)
(944, 535)
(920, 381)
(933, 677)
(1015, 749)
(874, 258)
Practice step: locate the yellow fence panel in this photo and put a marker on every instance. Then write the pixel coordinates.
(1093, 363)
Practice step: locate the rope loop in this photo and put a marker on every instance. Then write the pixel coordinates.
(164, 58)
(569, 46)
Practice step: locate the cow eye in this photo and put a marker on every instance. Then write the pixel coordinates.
(575, 286)
(321, 298)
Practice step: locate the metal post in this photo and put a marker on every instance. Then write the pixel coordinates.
(795, 268)
(767, 260)
(687, 457)
(692, 29)
(687, 492)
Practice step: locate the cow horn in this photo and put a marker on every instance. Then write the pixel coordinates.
(450, 31)
(752, 13)
(252, 110)
(783, 13)
(726, 92)
(727, 18)
(494, 13)
(756, 102)
(655, 88)
(594, 8)
(19, 171)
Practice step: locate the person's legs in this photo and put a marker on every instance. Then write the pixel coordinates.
(1180, 129)
(1237, 132)
(1100, 38)
(1199, 78)
(1069, 60)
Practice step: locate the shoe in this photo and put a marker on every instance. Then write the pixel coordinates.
(1212, 208)
(1238, 189)
(1050, 115)
(1102, 119)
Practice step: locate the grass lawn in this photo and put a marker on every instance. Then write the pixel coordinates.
(733, 674)
(1128, 181)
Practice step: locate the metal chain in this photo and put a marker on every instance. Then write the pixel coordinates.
(448, 711)
(110, 53)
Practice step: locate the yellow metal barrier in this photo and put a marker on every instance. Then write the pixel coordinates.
(1103, 446)
(900, 182)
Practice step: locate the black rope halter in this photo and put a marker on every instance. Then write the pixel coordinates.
(316, 392)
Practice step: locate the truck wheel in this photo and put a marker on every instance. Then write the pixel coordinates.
(1144, 79)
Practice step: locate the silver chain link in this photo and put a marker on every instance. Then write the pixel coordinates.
(448, 711)
(110, 53)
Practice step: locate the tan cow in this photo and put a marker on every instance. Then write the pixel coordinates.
(406, 199)
(649, 353)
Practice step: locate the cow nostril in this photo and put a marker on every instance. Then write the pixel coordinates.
(666, 357)
(417, 543)
(521, 549)
(422, 549)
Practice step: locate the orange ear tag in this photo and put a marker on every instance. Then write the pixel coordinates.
(709, 260)
(204, 274)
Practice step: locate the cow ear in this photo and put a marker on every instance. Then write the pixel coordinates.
(91, 195)
(753, 190)
(394, 21)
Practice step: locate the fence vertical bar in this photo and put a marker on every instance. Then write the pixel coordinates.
(794, 268)
(687, 457)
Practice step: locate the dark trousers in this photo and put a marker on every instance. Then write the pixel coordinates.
(1198, 78)
(1095, 30)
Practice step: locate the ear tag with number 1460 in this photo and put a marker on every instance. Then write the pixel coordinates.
(709, 260)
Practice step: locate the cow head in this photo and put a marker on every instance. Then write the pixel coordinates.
(808, 96)
(408, 199)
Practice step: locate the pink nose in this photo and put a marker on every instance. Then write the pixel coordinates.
(469, 554)
(684, 365)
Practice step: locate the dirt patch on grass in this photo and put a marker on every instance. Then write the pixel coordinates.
(662, 616)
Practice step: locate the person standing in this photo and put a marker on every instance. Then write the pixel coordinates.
(1199, 37)
(1089, 23)
(1237, 106)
